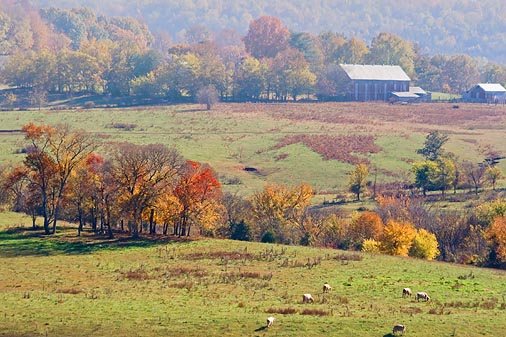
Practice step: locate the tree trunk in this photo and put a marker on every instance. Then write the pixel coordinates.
(151, 221)
(80, 214)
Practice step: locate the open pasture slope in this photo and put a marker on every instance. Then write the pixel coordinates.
(67, 286)
(316, 143)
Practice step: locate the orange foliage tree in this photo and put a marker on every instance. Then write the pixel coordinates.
(198, 192)
(141, 173)
(53, 154)
(366, 225)
(83, 186)
(496, 236)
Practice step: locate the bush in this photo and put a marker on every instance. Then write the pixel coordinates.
(268, 237)
(89, 105)
(240, 231)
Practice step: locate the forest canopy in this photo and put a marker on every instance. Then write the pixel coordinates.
(476, 28)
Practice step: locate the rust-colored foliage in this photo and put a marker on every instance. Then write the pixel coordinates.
(496, 234)
(196, 191)
(340, 148)
(367, 225)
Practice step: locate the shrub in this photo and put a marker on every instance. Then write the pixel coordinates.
(370, 246)
(89, 105)
(268, 237)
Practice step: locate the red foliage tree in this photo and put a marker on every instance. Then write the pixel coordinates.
(196, 188)
(266, 37)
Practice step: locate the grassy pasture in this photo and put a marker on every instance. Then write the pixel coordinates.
(68, 286)
(233, 137)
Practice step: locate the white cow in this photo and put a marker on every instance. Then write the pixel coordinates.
(307, 298)
(270, 320)
(399, 328)
(406, 292)
(422, 295)
(326, 288)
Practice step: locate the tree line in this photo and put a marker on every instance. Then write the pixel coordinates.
(76, 51)
(152, 190)
(440, 26)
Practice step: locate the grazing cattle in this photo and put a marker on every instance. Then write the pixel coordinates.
(422, 295)
(399, 328)
(270, 320)
(326, 288)
(406, 292)
(307, 298)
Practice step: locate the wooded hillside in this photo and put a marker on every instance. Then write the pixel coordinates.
(476, 28)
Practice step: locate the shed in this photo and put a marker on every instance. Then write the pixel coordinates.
(486, 93)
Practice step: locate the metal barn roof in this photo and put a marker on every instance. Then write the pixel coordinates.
(417, 90)
(405, 94)
(375, 72)
(493, 87)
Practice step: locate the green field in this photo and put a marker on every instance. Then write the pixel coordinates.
(68, 286)
(233, 137)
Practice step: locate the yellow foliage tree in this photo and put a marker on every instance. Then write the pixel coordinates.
(424, 245)
(397, 238)
(358, 180)
(281, 210)
(371, 246)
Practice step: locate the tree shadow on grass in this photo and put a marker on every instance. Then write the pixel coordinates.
(23, 242)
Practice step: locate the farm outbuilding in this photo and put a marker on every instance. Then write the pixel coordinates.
(486, 93)
(374, 82)
(415, 94)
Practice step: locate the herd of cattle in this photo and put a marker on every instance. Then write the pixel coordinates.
(398, 328)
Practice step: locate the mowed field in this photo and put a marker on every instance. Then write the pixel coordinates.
(68, 286)
(252, 144)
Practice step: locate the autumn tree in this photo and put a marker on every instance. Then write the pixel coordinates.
(330, 43)
(365, 225)
(199, 194)
(291, 74)
(424, 245)
(266, 37)
(474, 174)
(488, 211)
(353, 51)
(310, 47)
(282, 210)
(492, 175)
(462, 73)
(208, 96)
(358, 180)
(387, 48)
(54, 154)
(424, 174)
(445, 175)
(83, 187)
(249, 79)
(397, 238)
(141, 174)
(496, 235)
(237, 214)
(19, 193)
